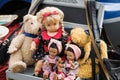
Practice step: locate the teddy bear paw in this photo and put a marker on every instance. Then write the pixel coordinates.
(12, 50)
(18, 67)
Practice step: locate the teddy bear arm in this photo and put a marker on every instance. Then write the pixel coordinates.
(16, 43)
(33, 46)
(103, 49)
(87, 49)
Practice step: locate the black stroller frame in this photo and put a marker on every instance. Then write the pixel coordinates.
(75, 16)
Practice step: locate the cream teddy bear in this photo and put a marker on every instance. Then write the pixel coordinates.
(80, 38)
(21, 55)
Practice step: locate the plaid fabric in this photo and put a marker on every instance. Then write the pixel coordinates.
(5, 67)
(2, 71)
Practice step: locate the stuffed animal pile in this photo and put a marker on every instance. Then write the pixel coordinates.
(21, 56)
(80, 38)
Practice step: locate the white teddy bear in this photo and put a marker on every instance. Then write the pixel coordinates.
(21, 55)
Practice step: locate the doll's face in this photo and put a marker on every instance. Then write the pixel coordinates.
(53, 52)
(52, 26)
(70, 55)
(61, 64)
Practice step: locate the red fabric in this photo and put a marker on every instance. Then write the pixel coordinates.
(11, 29)
(69, 38)
(5, 67)
(63, 58)
(45, 48)
(2, 71)
(59, 72)
(36, 40)
(39, 71)
(45, 36)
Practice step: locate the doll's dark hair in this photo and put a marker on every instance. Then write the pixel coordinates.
(53, 45)
(70, 49)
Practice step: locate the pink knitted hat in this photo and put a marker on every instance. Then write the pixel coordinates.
(57, 42)
(76, 49)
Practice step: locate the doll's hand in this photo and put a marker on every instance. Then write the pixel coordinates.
(71, 63)
(45, 62)
(58, 61)
(33, 46)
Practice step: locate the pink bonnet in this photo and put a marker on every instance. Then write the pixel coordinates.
(76, 49)
(58, 44)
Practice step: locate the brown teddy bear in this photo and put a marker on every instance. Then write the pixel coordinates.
(80, 38)
(21, 55)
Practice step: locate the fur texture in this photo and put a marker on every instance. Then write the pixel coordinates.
(21, 56)
(83, 40)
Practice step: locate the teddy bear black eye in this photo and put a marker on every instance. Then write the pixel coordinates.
(54, 23)
(48, 25)
(31, 23)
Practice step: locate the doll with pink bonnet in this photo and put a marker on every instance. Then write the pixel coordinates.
(72, 52)
(55, 48)
(51, 19)
(60, 70)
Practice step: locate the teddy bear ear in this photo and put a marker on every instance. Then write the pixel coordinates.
(87, 32)
(27, 18)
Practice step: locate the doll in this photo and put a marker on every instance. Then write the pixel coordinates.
(51, 19)
(60, 70)
(49, 61)
(72, 52)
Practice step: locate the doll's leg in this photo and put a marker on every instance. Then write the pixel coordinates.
(46, 72)
(57, 76)
(45, 75)
(53, 76)
(38, 67)
(70, 76)
(60, 76)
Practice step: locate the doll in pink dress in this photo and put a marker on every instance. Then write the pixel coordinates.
(72, 52)
(60, 70)
(55, 48)
(51, 19)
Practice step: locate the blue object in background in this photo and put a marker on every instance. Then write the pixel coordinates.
(112, 9)
(109, 1)
(2, 2)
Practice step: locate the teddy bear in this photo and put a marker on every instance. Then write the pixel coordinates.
(19, 49)
(83, 40)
